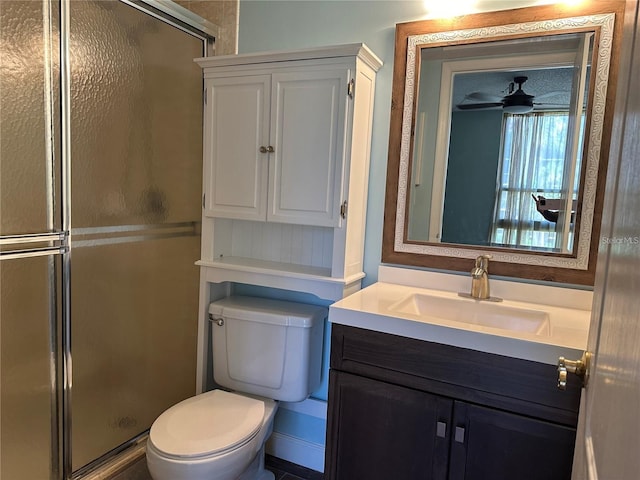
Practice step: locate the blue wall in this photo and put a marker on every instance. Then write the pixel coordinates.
(267, 25)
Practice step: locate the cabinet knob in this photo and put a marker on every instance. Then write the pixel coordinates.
(263, 149)
(268, 149)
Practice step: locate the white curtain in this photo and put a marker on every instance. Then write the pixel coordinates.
(533, 159)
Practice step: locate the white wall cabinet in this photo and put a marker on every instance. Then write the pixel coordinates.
(277, 146)
(286, 163)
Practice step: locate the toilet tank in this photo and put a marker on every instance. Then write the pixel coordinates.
(265, 347)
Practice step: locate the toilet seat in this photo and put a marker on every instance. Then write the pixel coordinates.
(207, 425)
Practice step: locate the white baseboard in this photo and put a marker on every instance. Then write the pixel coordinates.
(310, 406)
(296, 450)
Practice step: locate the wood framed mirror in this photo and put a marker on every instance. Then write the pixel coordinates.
(499, 137)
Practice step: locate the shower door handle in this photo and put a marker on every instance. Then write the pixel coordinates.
(33, 245)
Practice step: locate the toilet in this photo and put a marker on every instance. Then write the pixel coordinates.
(264, 351)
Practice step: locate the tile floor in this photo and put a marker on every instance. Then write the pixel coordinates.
(284, 470)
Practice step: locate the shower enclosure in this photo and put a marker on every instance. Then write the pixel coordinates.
(100, 184)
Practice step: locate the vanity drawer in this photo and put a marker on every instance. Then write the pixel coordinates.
(520, 386)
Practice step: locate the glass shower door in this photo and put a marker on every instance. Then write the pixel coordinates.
(99, 228)
(136, 181)
(31, 244)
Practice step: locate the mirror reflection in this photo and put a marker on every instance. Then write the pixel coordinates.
(498, 134)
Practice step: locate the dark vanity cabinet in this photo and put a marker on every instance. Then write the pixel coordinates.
(406, 409)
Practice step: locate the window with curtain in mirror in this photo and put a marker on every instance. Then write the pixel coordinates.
(537, 184)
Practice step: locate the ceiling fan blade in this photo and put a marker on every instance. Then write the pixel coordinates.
(482, 97)
(478, 106)
(550, 107)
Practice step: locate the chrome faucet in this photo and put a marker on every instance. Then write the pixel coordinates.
(480, 278)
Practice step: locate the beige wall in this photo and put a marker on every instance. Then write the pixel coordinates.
(224, 13)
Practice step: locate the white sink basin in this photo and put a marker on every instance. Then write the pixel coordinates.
(475, 312)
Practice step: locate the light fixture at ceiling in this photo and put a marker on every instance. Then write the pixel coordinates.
(518, 102)
(517, 109)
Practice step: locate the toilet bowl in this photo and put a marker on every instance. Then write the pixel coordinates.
(217, 435)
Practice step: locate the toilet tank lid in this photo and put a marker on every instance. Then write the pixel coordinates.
(266, 310)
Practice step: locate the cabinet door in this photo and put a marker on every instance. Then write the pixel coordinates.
(496, 445)
(236, 126)
(307, 132)
(379, 431)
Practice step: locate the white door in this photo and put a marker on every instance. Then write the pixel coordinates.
(236, 136)
(307, 132)
(608, 442)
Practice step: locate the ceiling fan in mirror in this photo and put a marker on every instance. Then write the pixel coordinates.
(516, 101)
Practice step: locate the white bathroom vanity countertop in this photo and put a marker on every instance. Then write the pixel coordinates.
(375, 308)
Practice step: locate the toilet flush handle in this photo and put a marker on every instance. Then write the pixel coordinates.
(216, 320)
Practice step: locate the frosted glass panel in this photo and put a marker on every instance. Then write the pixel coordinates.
(25, 383)
(25, 160)
(136, 118)
(134, 323)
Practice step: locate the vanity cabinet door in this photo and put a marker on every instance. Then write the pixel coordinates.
(380, 431)
(308, 132)
(236, 127)
(496, 445)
